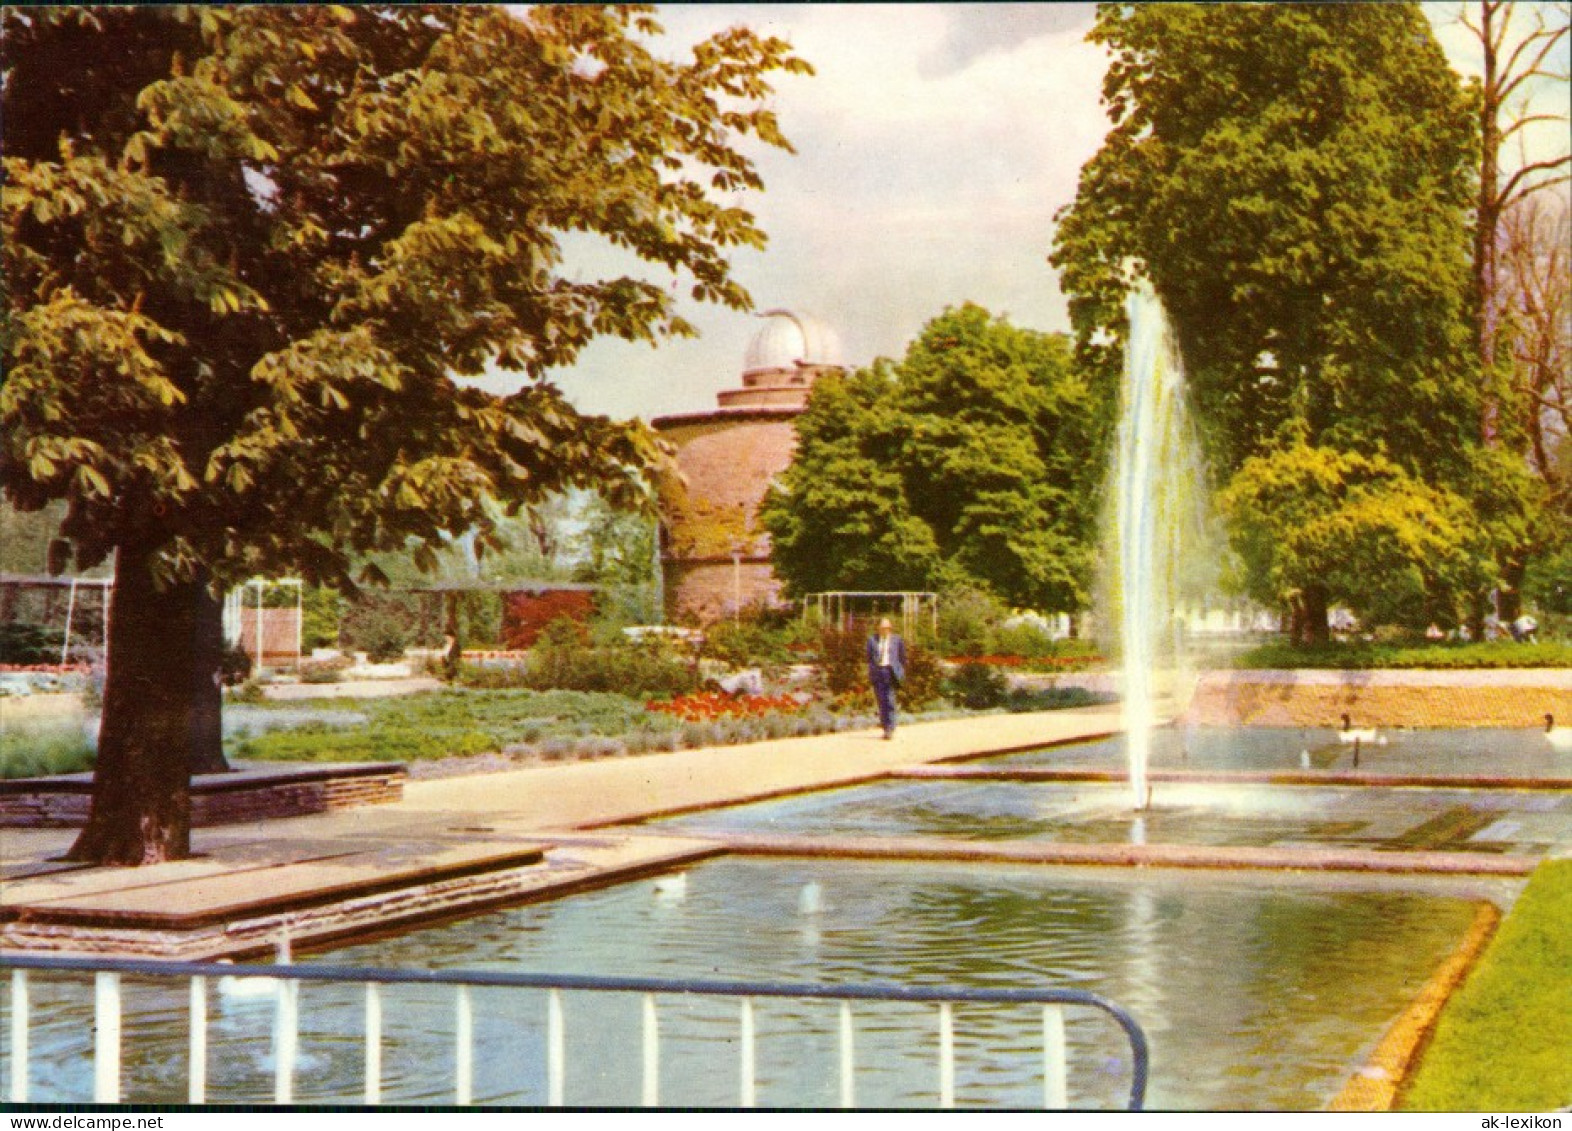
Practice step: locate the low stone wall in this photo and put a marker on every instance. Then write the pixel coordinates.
(248, 794)
(1382, 698)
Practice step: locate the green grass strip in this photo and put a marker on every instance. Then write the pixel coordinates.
(1504, 1040)
(1435, 657)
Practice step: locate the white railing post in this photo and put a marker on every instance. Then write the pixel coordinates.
(556, 1050)
(19, 1025)
(946, 1055)
(848, 1080)
(748, 1097)
(285, 1039)
(651, 1097)
(373, 1043)
(106, 1052)
(464, 1050)
(1056, 1085)
(196, 1070)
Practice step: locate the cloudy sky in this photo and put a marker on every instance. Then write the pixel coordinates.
(934, 145)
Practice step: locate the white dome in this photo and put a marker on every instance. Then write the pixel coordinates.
(788, 340)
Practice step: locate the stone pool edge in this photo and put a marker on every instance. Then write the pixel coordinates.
(1376, 1086)
(1221, 857)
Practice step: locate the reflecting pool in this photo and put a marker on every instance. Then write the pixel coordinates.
(1511, 753)
(1257, 992)
(1500, 821)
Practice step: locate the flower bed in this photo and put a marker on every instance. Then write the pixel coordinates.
(704, 706)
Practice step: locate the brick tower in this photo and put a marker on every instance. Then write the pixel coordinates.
(715, 557)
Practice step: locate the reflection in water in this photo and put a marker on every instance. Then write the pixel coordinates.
(1257, 993)
(1516, 752)
(1521, 822)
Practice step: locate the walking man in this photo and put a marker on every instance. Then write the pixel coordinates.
(886, 669)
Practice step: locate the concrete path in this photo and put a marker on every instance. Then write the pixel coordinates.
(586, 794)
(427, 854)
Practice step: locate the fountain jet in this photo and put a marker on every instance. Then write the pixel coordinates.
(1156, 493)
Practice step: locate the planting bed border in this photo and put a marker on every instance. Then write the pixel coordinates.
(252, 791)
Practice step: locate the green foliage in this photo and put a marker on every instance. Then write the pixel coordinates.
(321, 611)
(25, 643)
(1360, 530)
(1502, 1042)
(383, 625)
(323, 671)
(975, 462)
(1548, 584)
(748, 642)
(1442, 656)
(1023, 700)
(924, 682)
(977, 687)
(42, 751)
(565, 659)
(234, 666)
(223, 259)
(969, 621)
(1295, 180)
(447, 724)
(843, 660)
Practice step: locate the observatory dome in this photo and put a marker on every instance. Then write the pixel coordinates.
(789, 341)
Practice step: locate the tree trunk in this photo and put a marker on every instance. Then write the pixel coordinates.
(161, 719)
(1316, 630)
(1511, 602)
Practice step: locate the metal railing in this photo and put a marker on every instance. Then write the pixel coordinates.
(285, 980)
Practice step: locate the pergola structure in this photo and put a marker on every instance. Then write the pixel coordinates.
(235, 600)
(839, 606)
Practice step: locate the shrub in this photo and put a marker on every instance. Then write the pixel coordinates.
(924, 682)
(382, 625)
(321, 611)
(977, 687)
(563, 659)
(385, 642)
(1022, 699)
(43, 751)
(750, 642)
(234, 666)
(248, 692)
(322, 671)
(843, 659)
(24, 643)
(968, 620)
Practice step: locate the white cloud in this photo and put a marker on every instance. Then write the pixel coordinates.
(935, 143)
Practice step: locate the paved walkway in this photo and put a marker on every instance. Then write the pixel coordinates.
(450, 844)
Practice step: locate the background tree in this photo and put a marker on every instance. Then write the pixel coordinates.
(1295, 181)
(1522, 50)
(1316, 526)
(248, 249)
(1518, 51)
(977, 460)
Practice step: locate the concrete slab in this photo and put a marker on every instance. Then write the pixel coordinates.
(1238, 777)
(197, 896)
(1309, 858)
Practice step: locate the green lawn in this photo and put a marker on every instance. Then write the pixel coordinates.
(41, 749)
(439, 724)
(1496, 654)
(1504, 1040)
